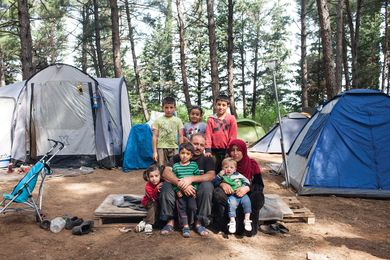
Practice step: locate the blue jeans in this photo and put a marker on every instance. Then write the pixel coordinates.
(235, 201)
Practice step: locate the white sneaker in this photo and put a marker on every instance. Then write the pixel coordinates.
(232, 227)
(248, 225)
(140, 227)
(148, 229)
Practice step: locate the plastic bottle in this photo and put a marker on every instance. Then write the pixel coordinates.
(57, 224)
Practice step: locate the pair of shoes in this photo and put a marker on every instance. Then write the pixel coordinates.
(148, 229)
(186, 232)
(72, 222)
(84, 228)
(166, 230)
(140, 227)
(248, 225)
(232, 227)
(202, 231)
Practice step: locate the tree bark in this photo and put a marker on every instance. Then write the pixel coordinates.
(324, 18)
(116, 43)
(182, 55)
(101, 71)
(304, 97)
(230, 59)
(2, 68)
(213, 49)
(242, 56)
(385, 48)
(84, 44)
(354, 34)
(345, 61)
(339, 45)
(254, 95)
(139, 86)
(25, 39)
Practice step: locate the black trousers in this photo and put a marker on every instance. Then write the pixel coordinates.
(204, 196)
(221, 207)
(186, 210)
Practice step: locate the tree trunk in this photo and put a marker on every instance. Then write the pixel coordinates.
(213, 49)
(116, 43)
(84, 44)
(182, 55)
(324, 18)
(385, 48)
(140, 87)
(304, 97)
(354, 32)
(25, 39)
(242, 56)
(345, 61)
(230, 59)
(97, 40)
(339, 45)
(254, 97)
(2, 68)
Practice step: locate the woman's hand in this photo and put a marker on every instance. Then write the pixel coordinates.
(184, 183)
(226, 188)
(159, 186)
(242, 191)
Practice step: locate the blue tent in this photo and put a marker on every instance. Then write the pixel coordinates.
(139, 150)
(345, 147)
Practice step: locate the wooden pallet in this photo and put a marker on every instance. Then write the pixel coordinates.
(107, 213)
(300, 213)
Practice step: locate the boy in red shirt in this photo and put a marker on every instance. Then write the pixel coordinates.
(221, 128)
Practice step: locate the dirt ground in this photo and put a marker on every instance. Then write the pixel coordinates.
(345, 228)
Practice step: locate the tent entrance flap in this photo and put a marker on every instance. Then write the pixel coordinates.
(62, 110)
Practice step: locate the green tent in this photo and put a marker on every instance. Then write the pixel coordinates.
(248, 130)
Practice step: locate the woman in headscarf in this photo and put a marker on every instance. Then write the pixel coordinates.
(250, 169)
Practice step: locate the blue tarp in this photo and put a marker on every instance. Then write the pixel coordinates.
(139, 150)
(353, 149)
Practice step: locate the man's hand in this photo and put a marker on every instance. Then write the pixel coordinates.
(207, 154)
(184, 183)
(189, 191)
(226, 188)
(155, 156)
(242, 191)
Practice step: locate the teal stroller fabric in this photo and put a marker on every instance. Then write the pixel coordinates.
(28, 181)
(139, 149)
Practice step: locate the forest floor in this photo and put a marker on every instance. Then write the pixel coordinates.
(345, 228)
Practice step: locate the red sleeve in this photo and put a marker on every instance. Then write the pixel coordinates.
(209, 131)
(233, 128)
(151, 191)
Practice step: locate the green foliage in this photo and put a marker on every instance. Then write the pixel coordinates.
(267, 115)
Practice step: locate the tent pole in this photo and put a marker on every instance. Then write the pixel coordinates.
(272, 66)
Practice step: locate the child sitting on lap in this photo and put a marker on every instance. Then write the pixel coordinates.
(230, 176)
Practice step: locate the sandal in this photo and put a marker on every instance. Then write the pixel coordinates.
(202, 231)
(83, 229)
(186, 232)
(166, 230)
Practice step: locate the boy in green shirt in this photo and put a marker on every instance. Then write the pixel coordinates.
(186, 206)
(167, 133)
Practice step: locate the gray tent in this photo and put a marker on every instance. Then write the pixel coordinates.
(291, 126)
(90, 115)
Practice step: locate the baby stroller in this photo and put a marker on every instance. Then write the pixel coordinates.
(22, 192)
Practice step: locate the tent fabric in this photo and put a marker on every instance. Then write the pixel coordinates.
(349, 155)
(139, 150)
(248, 130)
(291, 126)
(90, 116)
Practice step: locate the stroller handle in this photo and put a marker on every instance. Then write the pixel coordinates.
(56, 143)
